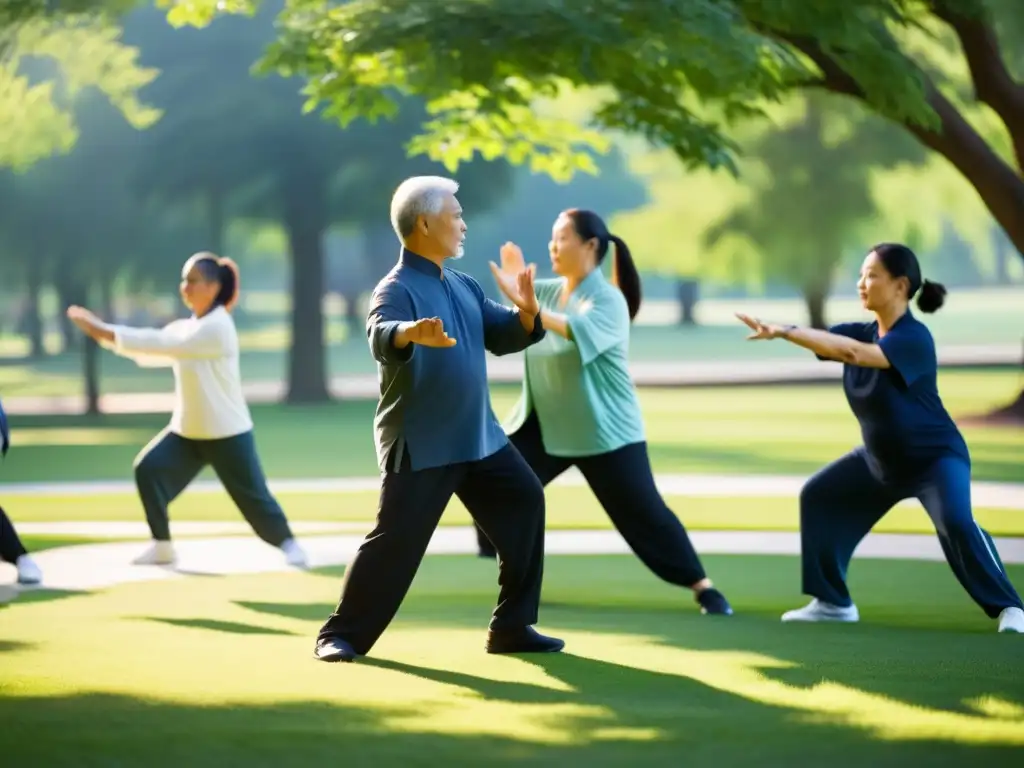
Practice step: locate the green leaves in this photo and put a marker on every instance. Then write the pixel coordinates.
(483, 64)
(37, 117)
(199, 13)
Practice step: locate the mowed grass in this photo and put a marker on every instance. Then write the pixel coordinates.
(720, 430)
(218, 672)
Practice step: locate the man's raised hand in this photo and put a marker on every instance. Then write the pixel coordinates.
(428, 332)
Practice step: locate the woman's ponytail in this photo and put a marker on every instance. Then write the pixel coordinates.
(626, 276)
(230, 280)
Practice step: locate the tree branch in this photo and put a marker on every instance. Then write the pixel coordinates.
(993, 83)
(999, 185)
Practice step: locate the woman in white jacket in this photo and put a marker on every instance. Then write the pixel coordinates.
(210, 424)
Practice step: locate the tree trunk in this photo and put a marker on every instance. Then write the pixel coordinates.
(1001, 246)
(305, 222)
(107, 300)
(91, 374)
(69, 291)
(353, 317)
(814, 299)
(688, 294)
(32, 322)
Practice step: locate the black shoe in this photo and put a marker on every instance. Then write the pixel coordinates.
(712, 601)
(334, 649)
(487, 555)
(524, 640)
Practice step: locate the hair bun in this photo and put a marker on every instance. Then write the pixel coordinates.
(931, 297)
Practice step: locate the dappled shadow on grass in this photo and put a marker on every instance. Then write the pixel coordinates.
(943, 655)
(40, 595)
(646, 680)
(6, 646)
(216, 625)
(611, 714)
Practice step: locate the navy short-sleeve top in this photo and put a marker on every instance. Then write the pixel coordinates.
(904, 423)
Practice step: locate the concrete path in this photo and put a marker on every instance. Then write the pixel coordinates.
(984, 494)
(509, 369)
(210, 548)
(99, 566)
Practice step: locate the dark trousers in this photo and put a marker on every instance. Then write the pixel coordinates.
(502, 495)
(842, 502)
(623, 483)
(170, 462)
(11, 547)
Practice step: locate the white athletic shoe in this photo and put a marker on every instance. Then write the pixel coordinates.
(28, 571)
(1011, 620)
(160, 553)
(819, 610)
(294, 554)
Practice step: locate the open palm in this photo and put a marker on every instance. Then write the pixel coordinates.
(515, 278)
(512, 260)
(761, 331)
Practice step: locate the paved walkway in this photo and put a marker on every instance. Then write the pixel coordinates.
(98, 566)
(509, 369)
(984, 494)
(214, 551)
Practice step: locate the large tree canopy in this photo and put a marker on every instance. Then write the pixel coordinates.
(675, 71)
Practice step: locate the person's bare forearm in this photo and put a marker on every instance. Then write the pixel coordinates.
(819, 342)
(527, 320)
(555, 322)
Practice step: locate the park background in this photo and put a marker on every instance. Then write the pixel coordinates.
(163, 141)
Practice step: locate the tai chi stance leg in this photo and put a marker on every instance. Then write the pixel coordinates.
(623, 482)
(838, 507)
(236, 463)
(13, 551)
(163, 470)
(969, 549)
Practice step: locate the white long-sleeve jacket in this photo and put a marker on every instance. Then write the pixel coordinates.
(203, 352)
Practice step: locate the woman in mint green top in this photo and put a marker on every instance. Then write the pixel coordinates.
(579, 406)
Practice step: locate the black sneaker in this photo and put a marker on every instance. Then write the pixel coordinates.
(713, 602)
(523, 640)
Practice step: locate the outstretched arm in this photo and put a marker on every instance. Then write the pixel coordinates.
(833, 344)
(201, 341)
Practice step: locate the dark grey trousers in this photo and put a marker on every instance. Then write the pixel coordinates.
(11, 547)
(168, 464)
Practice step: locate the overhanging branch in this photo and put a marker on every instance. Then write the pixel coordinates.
(993, 83)
(1000, 186)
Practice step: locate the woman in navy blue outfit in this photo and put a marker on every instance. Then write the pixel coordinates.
(912, 448)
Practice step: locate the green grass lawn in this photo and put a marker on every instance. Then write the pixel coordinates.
(744, 430)
(218, 672)
(988, 317)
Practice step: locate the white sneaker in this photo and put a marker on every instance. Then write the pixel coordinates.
(819, 610)
(1011, 620)
(28, 571)
(294, 554)
(160, 553)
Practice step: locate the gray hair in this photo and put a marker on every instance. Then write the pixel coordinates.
(417, 196)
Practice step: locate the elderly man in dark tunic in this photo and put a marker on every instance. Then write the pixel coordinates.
(436, 434)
